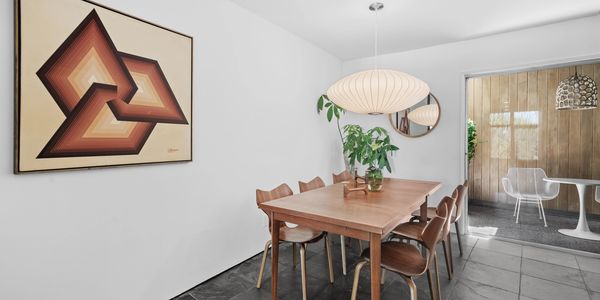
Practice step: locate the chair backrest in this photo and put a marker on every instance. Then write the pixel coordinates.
(316, 183)
(527, 180)
(462, 192)
(281, 191)
(446, 203)
(433, 231)
(343, 176)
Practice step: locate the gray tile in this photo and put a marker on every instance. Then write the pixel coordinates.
(466, 249)
(212, 291)
(499, 246)
(595, 296)
(254, 294)
(589, 263)
(547, 290)
(342, 288)
(552, 272)
(495, 277)
(471, 290)
(469, 239)
(592, 280)
(525, 298)
(550, 256)
(399, 290)
(496, 259)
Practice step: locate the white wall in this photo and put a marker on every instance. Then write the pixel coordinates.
(152, 232)
(439, 155)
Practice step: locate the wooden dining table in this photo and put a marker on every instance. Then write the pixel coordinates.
(366, 217)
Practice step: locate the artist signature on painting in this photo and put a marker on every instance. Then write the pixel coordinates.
(172, 150)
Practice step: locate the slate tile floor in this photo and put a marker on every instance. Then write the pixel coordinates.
(489, 269)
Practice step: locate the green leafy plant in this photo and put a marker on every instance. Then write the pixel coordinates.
(333, 110)
(354, 143)
(376, 155)
(369, 148)
(471, 139)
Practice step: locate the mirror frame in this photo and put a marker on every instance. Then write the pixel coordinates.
(422, 134)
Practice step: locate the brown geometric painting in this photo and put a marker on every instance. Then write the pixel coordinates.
(110, 100)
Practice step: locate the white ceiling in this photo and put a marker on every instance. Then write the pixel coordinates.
(345, 28)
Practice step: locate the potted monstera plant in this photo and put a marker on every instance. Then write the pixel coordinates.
(369, 148)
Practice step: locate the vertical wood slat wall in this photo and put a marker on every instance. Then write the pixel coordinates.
(564, 143)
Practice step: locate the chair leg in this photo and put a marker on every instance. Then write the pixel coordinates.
(303, 269)
(329, 261)
(430, 283)
(360, 246)
(343, 242)
(357, 269)
(446, 256)
(294, 256)
(262, 264)
(411, 286)
(518, 210)
(382, 276)
(458, 238)
(516, 204)
(437, 275)
(543, 213)
(450, 253)
(539, 203)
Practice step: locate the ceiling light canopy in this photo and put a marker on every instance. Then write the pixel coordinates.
(577, 92)
(377, 91)
(426, 115)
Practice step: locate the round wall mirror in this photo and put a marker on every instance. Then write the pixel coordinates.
(418, 120)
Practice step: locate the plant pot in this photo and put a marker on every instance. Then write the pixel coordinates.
(374, 179)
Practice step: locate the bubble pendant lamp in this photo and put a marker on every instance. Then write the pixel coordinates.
(426, 115)
(377, 91)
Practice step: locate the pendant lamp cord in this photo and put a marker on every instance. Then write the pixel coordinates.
(376, 39)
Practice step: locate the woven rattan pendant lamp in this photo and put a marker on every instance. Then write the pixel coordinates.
(377, 91)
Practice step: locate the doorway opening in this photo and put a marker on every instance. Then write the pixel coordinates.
(522, 140)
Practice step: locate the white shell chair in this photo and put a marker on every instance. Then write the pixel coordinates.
(598, 194)
(528, 185)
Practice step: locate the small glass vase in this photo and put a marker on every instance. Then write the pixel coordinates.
(374, 178)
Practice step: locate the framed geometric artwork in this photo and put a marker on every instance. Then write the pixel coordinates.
(95, 87)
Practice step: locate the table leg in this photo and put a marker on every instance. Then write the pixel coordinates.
(375, 265)
(275, 224)
(583, 230)
(423, 213)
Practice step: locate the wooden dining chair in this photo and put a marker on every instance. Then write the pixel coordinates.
(412, 230)
(460, 202)
(317, 183)
(407, 261)
(296, 235)
(458, 194)
(462, 193)
(344, 176)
